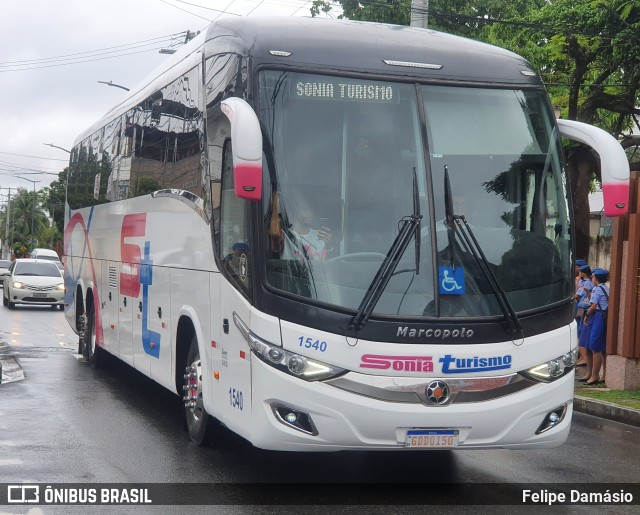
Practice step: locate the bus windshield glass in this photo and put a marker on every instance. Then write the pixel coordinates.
(341, 154)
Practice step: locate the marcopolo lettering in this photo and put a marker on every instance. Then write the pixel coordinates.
(454, 365)
(405, 332)
(398, 363)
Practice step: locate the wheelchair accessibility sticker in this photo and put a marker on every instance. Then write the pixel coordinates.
(451, 280)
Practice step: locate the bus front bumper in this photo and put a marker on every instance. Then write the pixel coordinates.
(343, 420)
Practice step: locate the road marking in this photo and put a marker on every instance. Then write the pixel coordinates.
(10, 462)
(32, 511)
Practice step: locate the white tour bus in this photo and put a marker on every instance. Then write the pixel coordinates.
(332, 235)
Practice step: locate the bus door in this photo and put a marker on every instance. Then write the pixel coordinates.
(109, 305)
(235, 287)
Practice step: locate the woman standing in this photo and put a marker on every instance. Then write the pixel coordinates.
(582, 295)
(596, 317)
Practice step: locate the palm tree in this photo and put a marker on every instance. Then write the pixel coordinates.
(28, 218)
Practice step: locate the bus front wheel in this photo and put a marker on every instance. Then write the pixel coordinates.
(196, 416)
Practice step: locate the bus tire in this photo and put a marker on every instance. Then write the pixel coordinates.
(93, 353)
(195, 415)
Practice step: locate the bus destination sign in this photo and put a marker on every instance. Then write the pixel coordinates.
(334, 88)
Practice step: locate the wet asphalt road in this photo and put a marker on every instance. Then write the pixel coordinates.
(66, 422)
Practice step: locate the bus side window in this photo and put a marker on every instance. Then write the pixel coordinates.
(234, 226)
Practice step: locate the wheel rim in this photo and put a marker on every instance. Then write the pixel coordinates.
(193, 390)
(92, 338)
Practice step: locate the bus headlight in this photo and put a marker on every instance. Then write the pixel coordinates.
(288, 362)
(554, 368)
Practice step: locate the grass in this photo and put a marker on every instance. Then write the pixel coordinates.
(625, 398)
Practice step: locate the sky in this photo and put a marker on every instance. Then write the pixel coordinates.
(54, 52)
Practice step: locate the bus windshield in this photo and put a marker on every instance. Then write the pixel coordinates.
(341, 155)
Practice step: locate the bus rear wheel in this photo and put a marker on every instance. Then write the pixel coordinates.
(91, 351)
(196, 416)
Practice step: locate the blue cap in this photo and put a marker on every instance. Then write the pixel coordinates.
(600, 271)
(241, 247)
(581, 262)
(585, 268)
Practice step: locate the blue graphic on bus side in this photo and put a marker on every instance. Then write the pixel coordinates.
(453, 365)
(150, 339)
(451, 280)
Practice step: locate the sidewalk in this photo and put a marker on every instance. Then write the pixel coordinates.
(604, 409)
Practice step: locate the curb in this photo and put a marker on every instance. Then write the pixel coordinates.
(607, 410)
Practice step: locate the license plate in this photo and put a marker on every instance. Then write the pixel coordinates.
(40, 295)
(432, 438)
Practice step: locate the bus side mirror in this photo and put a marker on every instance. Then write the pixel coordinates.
(613, 161)
(246, 141)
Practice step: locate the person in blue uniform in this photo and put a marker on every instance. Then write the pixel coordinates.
(596, 317)
(582, 295)
(577, 264)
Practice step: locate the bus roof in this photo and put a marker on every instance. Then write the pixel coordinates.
(364, 46)
(340, 46)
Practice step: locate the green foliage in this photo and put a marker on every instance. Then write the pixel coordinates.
(381, 11)
(626, 398)
(145, 185)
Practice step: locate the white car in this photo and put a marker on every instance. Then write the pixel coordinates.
(33, 281)
(45, 254)
(4, 269)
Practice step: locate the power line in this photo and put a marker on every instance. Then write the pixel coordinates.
(9, 166)
(203, 7)
(487, 19)
(33, 157)
(299, 5)
(185, 11)
(81, 62)
(98, 51)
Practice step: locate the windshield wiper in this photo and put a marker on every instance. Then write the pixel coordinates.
(410, 228)
(460, 222)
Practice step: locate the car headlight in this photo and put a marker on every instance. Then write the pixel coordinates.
(18, 285)
(554, 368)
(60, 286)
(288, 362)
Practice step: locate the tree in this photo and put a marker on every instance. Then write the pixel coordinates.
(27, 208)
(56, 200)
(588, 53)
(385, 11)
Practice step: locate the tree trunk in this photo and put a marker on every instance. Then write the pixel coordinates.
(581, 164)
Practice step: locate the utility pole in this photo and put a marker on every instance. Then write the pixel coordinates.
(419, 13)
(9, 218)
(33, 209)
(187, 37)
(6, 238)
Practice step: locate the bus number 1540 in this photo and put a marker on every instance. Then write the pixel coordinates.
(310, 343)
